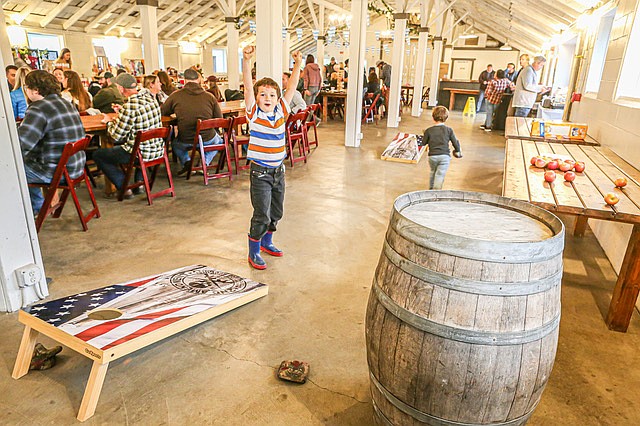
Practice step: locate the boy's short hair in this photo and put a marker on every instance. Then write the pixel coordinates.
(266, 82)
(440, 114)
(500, 74)
(45, 83)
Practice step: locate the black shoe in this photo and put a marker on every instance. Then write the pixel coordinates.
(185, 168)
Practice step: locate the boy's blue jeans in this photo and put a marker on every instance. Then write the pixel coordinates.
(182, 150)
(438, 165)
(267, 199)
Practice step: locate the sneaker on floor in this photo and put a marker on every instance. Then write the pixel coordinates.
(128, 194)
(482, 126)
(487, 129)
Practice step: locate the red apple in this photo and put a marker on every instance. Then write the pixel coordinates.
(533, 160)
(571, 162)
(611, 199)
(621, 182)
(550, 176)
(565, 167)
(579, 166)
(540, 163)
(553, 165)
(569, 176)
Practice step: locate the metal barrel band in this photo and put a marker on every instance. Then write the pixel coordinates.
(485, 288)
(489, 338)
(384, 419)
(433, 420)
(469, 248)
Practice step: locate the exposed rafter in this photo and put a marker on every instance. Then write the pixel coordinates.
(54, 12)
(79, 14)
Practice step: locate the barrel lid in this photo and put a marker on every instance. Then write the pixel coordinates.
(478, 226)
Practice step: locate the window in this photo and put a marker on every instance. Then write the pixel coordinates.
(599, 53)
(219, 60)
(44, 42)
(629, 82)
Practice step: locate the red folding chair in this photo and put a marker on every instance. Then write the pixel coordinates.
(223, 125)
(312, 109)
(68, 186)
(239, 141)
(136, 161)
(371, 112)
(296, 131)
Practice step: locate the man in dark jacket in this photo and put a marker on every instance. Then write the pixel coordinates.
(190, 104)
(485, 77)
(108, 95)
(49, 124)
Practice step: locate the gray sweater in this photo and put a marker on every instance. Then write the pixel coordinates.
(438, 138)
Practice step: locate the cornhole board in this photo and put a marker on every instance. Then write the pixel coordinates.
(111, 322)
(404, 148)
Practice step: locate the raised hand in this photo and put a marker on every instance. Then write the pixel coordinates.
(248, 52)
(297, 57)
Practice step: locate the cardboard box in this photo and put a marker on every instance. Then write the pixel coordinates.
(550, 129)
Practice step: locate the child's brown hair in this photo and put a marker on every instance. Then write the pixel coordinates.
(266, 82)
(440, 114)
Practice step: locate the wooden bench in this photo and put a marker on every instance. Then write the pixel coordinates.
(111, 322)
(520, 128)
(453, 92)
(584, 198)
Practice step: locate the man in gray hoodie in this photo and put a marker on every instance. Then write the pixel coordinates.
(190, 104)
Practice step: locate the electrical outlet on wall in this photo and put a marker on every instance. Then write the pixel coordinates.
(28, 275)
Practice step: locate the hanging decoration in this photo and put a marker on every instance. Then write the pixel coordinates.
(315, 33)
(252, 26)
(299, 33)
(377, 35)
(284, 33)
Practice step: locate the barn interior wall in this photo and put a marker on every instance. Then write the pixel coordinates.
(612, 123)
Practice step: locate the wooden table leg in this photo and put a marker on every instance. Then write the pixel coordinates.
(25, 353)
(452, 100)
(581, 226)
(92, 391)
(325, 109)
(627, 287)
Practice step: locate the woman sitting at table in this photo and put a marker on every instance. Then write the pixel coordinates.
(212, 82)
(18, 95)
(154, 86)
(58, 73)
(166, 84)
(75, 92)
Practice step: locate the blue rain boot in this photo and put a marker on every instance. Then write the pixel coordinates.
(255, 259)
(266, 245)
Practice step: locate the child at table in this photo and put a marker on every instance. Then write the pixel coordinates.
(438, 138)
(267, 113)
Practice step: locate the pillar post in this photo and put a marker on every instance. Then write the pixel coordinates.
(5, 44)
(286, 41)
(357, 45)
(149, 24)
(320, 42)
(233, 58)
(397, 65)
(269, 39)
(421, 63)
(435, 58)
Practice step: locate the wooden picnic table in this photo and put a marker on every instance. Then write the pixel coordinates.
(407, 94)
(454, 91)
(326, 94)
(520, 128)
(584, 198)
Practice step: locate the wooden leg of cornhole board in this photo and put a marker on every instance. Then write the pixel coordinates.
(92, 391)
(25, 353)
(581, 226)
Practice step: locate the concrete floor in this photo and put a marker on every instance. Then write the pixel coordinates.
(337, 208)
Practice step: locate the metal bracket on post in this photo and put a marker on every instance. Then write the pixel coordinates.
(401, 16)
(231, 19)
(423, 29)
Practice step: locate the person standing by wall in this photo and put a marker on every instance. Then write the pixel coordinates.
(527, 88)
(485, 77)
(64, 61)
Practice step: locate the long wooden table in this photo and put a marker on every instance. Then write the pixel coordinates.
(453, 92)
(584, 198)
(325, 100)
(520, 128)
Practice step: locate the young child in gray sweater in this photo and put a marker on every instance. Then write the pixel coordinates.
(438, 138)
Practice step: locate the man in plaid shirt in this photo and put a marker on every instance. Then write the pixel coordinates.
(49, 124)
(493, 95)
(140, 112)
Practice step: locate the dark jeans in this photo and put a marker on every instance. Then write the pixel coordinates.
(267, 199)
(109, 161)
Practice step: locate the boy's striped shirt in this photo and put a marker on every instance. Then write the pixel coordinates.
(267, 134)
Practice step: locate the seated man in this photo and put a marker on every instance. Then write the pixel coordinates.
(49, 124)
(108, 95)
(297, 102)
(190, 104)
(140, 112)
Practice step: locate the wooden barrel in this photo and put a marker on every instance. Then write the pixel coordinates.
(462, 320)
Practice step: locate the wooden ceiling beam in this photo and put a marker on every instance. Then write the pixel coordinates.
(54, 12)
(124, 15)
(104, 14)
(79, 14)
(196, 15)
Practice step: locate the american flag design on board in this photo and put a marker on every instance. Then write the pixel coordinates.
(146, 304)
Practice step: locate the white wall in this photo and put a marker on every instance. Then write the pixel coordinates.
(498, 58)
(614, 125)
